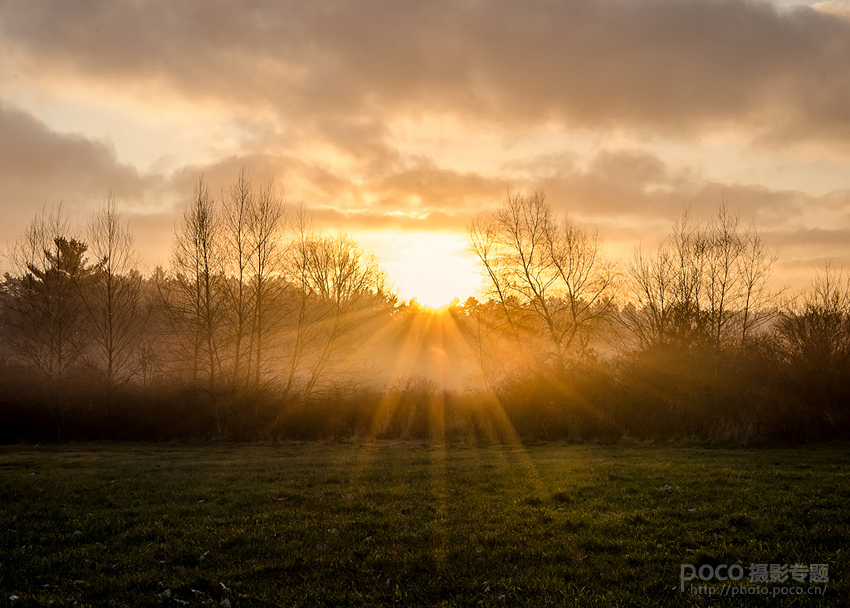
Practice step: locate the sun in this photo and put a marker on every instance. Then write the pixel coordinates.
(432, 267)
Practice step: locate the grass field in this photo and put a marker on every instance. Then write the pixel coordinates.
(412, 525)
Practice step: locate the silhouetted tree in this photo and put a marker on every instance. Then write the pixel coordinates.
(43, 304)
(706, 284)
(237, 207)
(815, 338)
(194, 295)
(547, 273)
(115, 313)
(340, 284)
(266, 227)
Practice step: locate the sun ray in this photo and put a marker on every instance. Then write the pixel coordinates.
(388, 404)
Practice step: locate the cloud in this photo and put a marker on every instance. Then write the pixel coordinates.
(39, 166)
(804, 251)
(680, 67)
(811, 239)
(428, 188)
(34, 157)
(323, 94)
(390, 189)
(356, 221)
(634, 186)
(629, 192)
(840, 8)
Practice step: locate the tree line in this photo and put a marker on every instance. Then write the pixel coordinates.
(254, 302)
(262, 327)
(690, 339)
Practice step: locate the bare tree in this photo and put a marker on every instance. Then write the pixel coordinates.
(489, 335)
(237, 211)
(707, 283)
(344, 282)
(649, 315)
(547, 273)
(759, 302)
(815, 337)
(267, 224)
(195, 294)
(253, 225)
(112, 302)
(297, 275)
(337, 285)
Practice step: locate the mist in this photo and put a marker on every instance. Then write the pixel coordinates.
(263, 327)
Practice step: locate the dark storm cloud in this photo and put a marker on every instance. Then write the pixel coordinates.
(679, 66)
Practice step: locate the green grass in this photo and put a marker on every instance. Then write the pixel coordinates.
(410, 525)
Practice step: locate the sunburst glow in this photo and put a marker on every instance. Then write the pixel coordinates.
(432, 267)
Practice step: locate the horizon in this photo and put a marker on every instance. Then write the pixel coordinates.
(416, 269)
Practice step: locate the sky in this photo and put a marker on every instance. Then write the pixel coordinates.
(399, 121)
